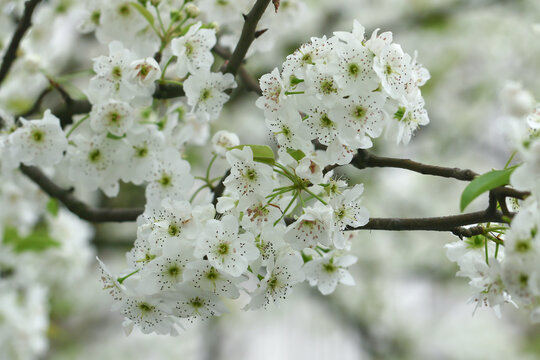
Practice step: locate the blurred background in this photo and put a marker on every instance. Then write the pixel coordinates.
(407, 303)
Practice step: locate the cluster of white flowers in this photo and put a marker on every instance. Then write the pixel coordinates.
(280, 221)
(343, 91)
(511, 274)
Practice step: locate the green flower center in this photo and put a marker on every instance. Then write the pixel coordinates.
(173, 230)
(38, 135)
(124, 9)
(359, 112)
(145, 308)
(223, 249)
(165, 180)
(329, 268)
(326, 122)
(354, 69)
(94, 155)
(327, 87)
(174, 271)
(205, 95)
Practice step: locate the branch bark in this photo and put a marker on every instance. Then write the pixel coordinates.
(84, 211)
(22, 27)
(246, 37)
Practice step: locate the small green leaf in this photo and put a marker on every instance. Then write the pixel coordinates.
(53, 207)
(261, 153)
(483, 183)
(37, 241)
(296, 154)
(144, 12)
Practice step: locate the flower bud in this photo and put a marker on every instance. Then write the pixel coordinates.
(192, 10)
(222, 140)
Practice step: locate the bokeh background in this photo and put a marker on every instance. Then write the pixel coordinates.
(408, 303)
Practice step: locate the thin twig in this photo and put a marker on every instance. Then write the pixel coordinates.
(246, 37)
(22, 27)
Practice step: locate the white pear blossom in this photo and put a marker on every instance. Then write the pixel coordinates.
(205, 92)
(113, 116)
(193, 50)
(225, 248)
(248, 178)
(327, 271)
(282, 272)
(39, 142)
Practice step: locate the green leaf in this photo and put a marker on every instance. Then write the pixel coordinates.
(483, 183)
(261, 153)
(144, 12)
(53, 207)
(37, 241)
(296, 154)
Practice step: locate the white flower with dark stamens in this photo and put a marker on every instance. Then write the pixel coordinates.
(225, 249)
(356, 75)
(348, 212)
(111, 284)
(314, 227)
(193, 50)
(144, 72)
(171, 178)
(272, 92)
(206, 277)
(320, 124)
(94, 162)
(394, 69)
(39, 142)
(248, 178)
(190, 303)
(175, 223)
(167, 270)
(326, 272)
(149, 314)
(145, 148)
(282, 273)
(360, 115)
(112, 75)
(205, 92)
(407, 119)
(113, 116)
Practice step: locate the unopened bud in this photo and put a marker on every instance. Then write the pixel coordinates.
(192, 10)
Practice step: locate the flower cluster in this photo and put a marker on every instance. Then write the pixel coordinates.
(342, 92)
(510, 274)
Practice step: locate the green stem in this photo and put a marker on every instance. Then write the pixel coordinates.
(165, 67)
(287, 208)
(209, 167)
(198, 191)
(76, 125)
(122, 279)
(315, 196)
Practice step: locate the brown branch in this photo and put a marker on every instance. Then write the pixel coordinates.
(219, 188)
(22, 27)
(246, 37)
(453, 223)
(249, 82)
(82, 210)
(364, 159)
